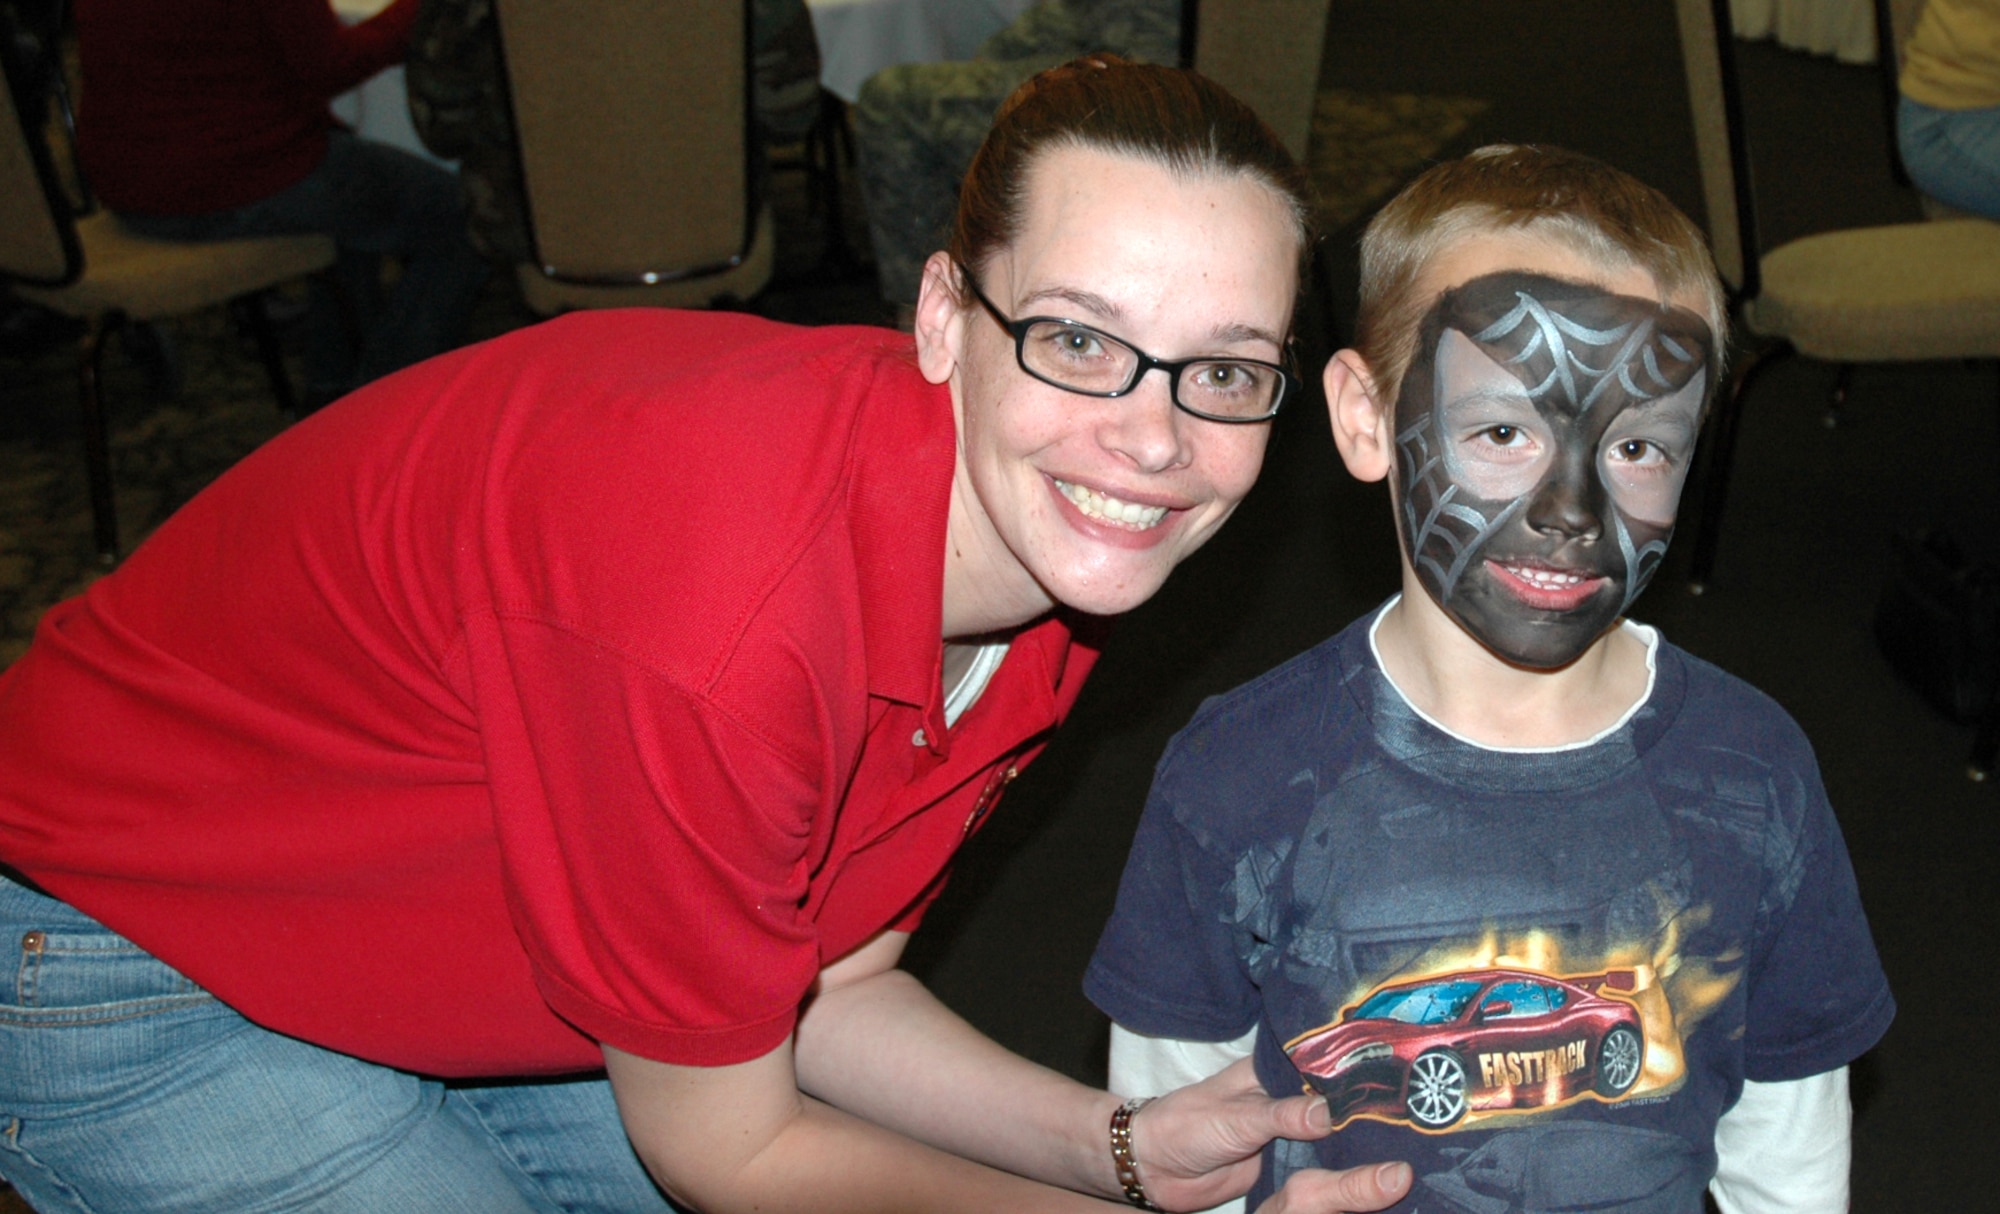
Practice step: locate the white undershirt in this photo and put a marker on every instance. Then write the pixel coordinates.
(985, 660)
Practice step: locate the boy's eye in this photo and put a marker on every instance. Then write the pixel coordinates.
(1504, 436)
(1637, 451)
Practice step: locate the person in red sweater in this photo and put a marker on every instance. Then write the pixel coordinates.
(209, 120)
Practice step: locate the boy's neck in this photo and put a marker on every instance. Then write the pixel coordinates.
(1460, 684)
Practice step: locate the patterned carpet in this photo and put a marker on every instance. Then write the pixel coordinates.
(178, 421)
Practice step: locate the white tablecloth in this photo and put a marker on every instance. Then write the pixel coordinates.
(858, 38)
(1844, 29)
(380, 108)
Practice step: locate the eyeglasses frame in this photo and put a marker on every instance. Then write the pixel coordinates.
(1288, 384)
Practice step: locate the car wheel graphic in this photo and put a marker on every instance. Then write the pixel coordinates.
(1618, 1059)
(1436, 1091)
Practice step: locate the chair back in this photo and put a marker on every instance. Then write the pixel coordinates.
(1267, 52)
(1708, 52)
(38, 242)
(634, 127)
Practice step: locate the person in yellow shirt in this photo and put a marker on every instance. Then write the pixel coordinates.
(1948, 126)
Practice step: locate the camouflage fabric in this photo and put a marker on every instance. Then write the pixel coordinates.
(458, 104)
(917, 125)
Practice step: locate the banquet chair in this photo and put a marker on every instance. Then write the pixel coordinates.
(634, 124)
(80, 262)
(1265, 51)
(1901, 292)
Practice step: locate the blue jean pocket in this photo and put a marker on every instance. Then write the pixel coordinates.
(67, 968)
(90, 978)
(80, 1000)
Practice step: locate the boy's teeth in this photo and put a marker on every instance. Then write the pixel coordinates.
(1111, 509)
(1545, 577)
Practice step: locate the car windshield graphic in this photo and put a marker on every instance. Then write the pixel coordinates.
(1432, 1003)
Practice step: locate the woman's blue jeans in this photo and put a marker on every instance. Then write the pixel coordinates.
(124, 1087)
(1953, 155)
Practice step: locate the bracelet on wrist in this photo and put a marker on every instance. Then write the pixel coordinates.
(1122, 1161)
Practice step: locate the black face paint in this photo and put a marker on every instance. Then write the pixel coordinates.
(1543, 435)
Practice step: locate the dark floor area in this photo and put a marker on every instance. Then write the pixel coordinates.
(1806, 550)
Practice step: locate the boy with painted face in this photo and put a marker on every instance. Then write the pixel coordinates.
(1539, 903)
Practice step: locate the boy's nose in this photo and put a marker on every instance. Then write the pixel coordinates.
(1566, 503)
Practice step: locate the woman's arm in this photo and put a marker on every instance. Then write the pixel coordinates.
(925, 1104)
(748, 1137)
(326, 54)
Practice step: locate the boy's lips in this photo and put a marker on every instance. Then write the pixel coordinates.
(1546, 587)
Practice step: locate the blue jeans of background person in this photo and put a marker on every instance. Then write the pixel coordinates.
(127, 1088)
(1953, 155)
(375, 201)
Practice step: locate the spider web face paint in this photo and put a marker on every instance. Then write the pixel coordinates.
(1543, 436)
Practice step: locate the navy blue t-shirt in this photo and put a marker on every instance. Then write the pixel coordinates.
(1539, 976)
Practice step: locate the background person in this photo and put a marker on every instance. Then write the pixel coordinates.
(1948, 122)
(208, 120)
(603, 704)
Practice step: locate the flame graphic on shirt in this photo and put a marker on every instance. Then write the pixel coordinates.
(1673, 992)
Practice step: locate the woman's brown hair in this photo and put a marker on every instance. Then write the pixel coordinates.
(1172, 116)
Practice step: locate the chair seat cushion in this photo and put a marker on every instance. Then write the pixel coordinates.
(1902, 292)
(149, 279)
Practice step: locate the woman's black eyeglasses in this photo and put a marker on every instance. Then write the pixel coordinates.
(1078, 358)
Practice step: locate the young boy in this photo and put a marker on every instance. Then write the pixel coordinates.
(1541, 904)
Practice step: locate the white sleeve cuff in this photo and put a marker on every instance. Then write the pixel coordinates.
(1784, 1147)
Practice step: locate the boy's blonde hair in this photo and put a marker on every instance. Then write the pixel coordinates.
(1609, 217)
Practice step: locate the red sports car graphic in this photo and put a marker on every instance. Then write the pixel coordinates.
(1429, 1051)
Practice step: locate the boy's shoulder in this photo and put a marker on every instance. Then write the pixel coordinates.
(1297, 687)
(1714, 701)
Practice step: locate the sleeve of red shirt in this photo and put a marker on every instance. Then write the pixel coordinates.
(655, 848)
(326, 54)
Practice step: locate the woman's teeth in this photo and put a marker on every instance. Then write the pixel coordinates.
(1111, 509)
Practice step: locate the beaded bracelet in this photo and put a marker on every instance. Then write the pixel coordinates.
(1121, 1153)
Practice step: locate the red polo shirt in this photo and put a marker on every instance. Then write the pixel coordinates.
(579, 687)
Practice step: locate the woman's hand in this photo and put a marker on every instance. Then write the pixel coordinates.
(1200, 1146)
(1376, 1187)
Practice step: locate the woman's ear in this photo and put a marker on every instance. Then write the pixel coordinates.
(939, 321)
(1363, 428)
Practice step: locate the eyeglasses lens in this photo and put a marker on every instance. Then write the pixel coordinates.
(1085, 360)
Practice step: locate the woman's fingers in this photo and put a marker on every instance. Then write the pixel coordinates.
(1353, 1191)
(1245, 1118)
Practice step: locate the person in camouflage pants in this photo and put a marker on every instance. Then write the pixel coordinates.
(917, 125)
(458, 104)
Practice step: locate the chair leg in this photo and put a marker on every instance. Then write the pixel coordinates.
(251, 313)
(1836, 400)
(1720, 456)
(1985, 743)
(96, 439)
(828, 144)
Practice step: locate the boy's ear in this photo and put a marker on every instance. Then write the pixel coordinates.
(1363, 428)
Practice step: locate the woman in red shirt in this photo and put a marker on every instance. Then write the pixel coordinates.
(514, 786)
